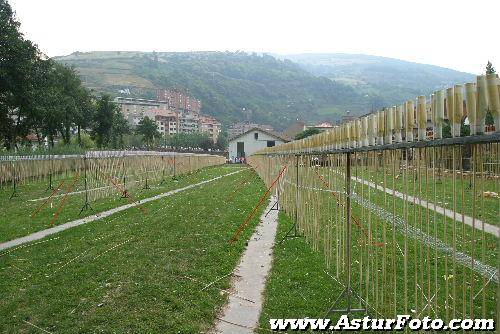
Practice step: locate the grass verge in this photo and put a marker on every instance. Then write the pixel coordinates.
(16, 216)
(132, 273)
(298, 285)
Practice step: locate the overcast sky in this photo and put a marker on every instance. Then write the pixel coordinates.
(456, 34)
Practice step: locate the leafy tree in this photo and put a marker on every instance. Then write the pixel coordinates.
(464, 129)
(119, 128)
(306, 133)
(489, 117)
(83, 140)
(222, 141)
(190, 140)
(37, 95)
(103, 121)
(149, 131)
(19, 60)
(207, 144)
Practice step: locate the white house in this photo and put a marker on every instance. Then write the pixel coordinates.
(246, 143)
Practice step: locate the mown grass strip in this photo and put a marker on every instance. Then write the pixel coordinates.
(131, 273)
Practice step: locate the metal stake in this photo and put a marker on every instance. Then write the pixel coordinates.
(294, 227)
(86, 206)
(14, 183)
(348, 293)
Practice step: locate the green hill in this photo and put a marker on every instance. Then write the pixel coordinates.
(276, 91)
(384, 81)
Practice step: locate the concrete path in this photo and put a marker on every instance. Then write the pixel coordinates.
(467, 220)
(241, 314)
(56, 229)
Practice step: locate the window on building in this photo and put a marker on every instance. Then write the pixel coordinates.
(256, 135)
(271, 143)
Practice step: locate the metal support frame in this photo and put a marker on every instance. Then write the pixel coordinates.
(14, 183)
(125, 193)
(276, 205)
(294, 227)
(86, 205)
(348, 293)
(50, 187)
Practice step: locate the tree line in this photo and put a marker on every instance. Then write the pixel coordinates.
(45, 102)
(40, 98)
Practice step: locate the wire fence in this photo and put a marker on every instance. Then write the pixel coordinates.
(408, 223)
(101, 174)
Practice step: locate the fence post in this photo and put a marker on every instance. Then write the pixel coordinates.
(296, 193)
(348, 220)
(14, 181)
(86, 205)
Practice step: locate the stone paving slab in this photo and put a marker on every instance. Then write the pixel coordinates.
(241, 314)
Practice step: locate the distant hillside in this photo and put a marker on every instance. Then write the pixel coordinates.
(384, 81)
(276, 91)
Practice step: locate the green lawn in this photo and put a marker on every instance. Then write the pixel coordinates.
(131, 272)
(15, 216)
(448, 191)
(299, 284)
(298, 280)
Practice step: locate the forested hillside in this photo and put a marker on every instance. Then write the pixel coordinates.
(385, 81)
(275, 91)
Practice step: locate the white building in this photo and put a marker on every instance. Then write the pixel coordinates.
(246, 143)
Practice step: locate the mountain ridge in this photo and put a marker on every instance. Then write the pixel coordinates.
(386, 80)
(276, 89)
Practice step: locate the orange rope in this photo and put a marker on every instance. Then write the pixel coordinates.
(250, 216)
(63, 201)
(356, 222)
(55, 191)
(124, 192)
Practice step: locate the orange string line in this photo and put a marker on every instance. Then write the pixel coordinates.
(250, 216)
(63, 201)
(55, 191)
(356, 222)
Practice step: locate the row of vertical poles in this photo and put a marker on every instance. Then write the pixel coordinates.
(421, 224)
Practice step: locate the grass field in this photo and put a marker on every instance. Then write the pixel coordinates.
(406, 259)
(299, 284)
(16, 220)
(130, 272)
(303, 284)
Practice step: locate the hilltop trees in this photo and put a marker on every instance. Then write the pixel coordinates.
(306, 133)
(37, 95)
